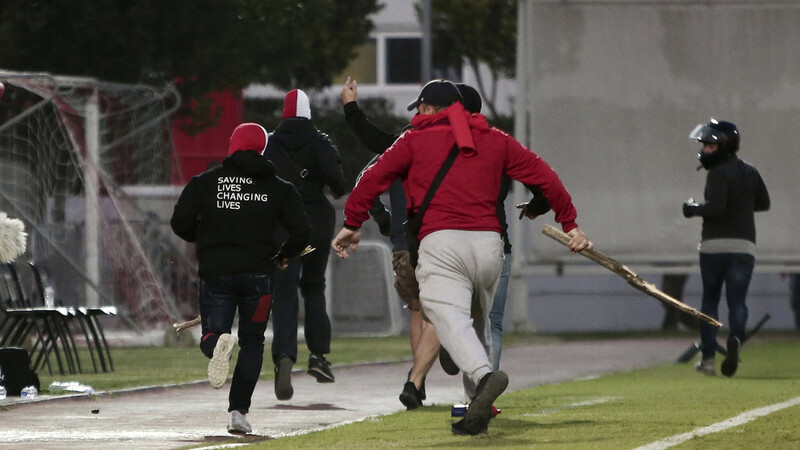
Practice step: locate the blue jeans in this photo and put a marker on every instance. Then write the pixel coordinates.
(735, 271)
(220, 297)
(498, 311)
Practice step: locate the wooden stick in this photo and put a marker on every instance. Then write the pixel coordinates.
(631, 277)
(184, 325)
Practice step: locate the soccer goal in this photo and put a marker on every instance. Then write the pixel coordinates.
(75, 156)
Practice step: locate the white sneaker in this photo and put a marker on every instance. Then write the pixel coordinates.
(706, 366)
(218, 366)
(238, 423)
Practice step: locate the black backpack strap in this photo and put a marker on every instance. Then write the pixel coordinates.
(436, 182)
(301, 171)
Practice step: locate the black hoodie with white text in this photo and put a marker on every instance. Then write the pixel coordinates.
(231, 212)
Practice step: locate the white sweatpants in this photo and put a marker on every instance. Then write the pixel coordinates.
(457, 272)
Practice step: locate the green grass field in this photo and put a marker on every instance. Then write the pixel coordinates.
(613, 412)
(625, 410)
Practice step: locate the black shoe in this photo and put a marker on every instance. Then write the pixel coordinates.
(731, 362)
(410, 396)
(320, 368)
(464, 428)
(283, 379)
(447, 363)
(421, 390)
(476, 419)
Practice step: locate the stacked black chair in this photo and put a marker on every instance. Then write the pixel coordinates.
(88, 318)
(18, 322)
(48, 326)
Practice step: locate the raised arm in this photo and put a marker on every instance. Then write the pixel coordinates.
(375, 139)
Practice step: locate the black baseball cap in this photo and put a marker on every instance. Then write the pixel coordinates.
(470, 98)
(437, 93)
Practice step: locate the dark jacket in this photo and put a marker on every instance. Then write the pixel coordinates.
(734, 191)
(372, 137)
(231, 213)
(296, 145)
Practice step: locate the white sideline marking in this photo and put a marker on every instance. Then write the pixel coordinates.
(78, 436)
(217, 447)
(591, 402)
(741, 419)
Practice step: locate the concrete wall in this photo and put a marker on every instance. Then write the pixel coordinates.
(588, 303)
(610, 91)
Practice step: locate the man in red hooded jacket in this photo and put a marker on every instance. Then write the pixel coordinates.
(460, 253)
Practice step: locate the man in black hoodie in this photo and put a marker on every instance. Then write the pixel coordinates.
(308, 159)
(231, 213)
(734, 191)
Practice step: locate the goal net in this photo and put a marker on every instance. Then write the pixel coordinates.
(86, 165)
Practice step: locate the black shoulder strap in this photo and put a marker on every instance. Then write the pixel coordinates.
(436, 182)
(301, 171)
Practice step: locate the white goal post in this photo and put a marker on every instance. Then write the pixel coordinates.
(71, 151)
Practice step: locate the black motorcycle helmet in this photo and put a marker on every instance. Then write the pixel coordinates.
(720, 132)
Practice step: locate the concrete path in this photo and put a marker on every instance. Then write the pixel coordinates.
(195, 414)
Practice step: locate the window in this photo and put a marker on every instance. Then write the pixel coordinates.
(392, 60)
(403, 60)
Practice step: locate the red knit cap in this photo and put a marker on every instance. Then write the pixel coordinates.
(248, 136)
(295, 104)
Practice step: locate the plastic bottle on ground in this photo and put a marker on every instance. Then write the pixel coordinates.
(29, 392)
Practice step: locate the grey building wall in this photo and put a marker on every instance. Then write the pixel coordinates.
(610, 90)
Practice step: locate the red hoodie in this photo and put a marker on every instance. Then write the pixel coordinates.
(467, 197)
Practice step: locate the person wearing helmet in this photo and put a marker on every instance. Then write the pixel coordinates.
(734, 191)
